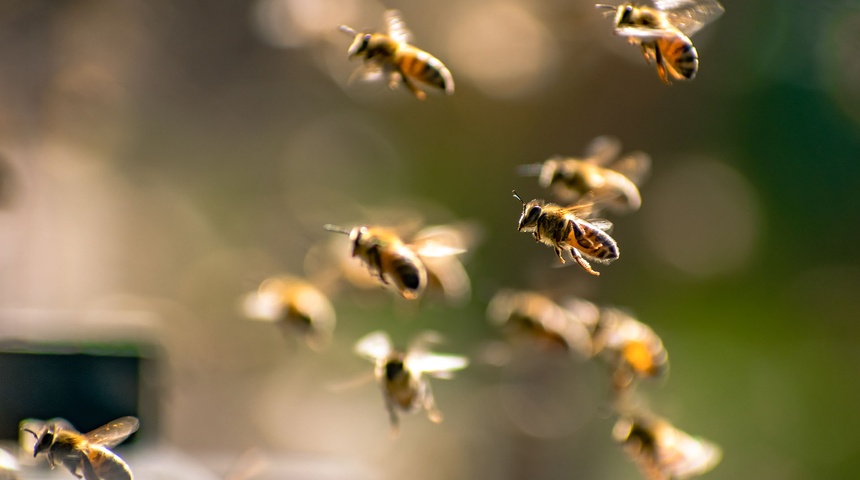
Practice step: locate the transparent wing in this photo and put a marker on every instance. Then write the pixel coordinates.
(689, 16)
(396, 27)
(113, 433)
(601, 223)
(682, 456)
(435, 247)
(634, 165)
(436, 365)
(603, 150)
(374, 346)
(646, 34)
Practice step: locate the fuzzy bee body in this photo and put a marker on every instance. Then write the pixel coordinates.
(560, 228)
(87, 455)
(663, 32)
(391, 56)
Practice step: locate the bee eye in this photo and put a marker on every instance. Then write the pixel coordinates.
(533, 214)
(364, 43)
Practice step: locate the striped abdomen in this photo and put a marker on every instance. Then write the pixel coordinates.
(406, 271)
(420, 65)
(679, 56)
(107, 465)
(592, 241)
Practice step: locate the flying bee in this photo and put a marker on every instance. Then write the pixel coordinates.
(661, 451)
(392, 260)
(631, 348)
(663, 32)
(533, 317)
(446, 274)
(391, 56)
(560, 227)
(402, 376)
(299, 307)
(600, 175)
(86, 455)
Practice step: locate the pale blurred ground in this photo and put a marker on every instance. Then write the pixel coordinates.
(164, 157)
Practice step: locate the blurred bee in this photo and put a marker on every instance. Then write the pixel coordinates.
(86, 455)
(533, 317)
(390, 55)
(600, 175)
(560, 227)
(402, 376)
(661, 451)
(631, 348)
(297, 306)
(446, 273)
(392, 260)
(663, 32)
(8, 466)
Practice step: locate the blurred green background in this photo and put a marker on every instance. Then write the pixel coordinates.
(165, 157)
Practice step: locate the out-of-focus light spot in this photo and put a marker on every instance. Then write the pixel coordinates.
(702, 218)
(502, 48)
(293, 23)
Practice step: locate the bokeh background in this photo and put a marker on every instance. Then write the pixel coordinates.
(158, 159)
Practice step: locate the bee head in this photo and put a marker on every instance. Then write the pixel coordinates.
(359, 45)
(44, 439)
(356, 235)
(531, 213)
(394, 368)
(550, 172)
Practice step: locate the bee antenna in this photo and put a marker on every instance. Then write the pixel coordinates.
(336, 228)
(347, 29)
(518, 197)
(30, 431)
(605, 6)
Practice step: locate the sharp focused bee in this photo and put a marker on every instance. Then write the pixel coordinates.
(391, 56)
(86, 455)
(600, 175)
(391, 260)
(631, 348)
(661, 451)
(560, 227)
(296, 305)
(402, 376)
(535, 318)
(663, 32)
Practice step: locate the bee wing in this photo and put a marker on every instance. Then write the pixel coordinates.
(433, 248)
(646, 34)
(682, 456)
(689, 16)
(434, 364)
(603, 150)
(600, 223)
(634, 165)
(113, 433)
(374, 345)
(369, 71)
(396, 27)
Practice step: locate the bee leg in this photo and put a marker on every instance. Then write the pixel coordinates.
(71, 464)
(433, 412)
(582, 262)
(394, 80)
(392, 418)
(558, 252)
(420, 95)
(661, 65)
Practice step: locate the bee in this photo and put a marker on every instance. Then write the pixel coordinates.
(299, 307)
(560, 227)
(661, 451)
(599, 175)
(86, 455)
(631, 348)
(392, 260)
(536, 318)
(663, 32)
(402, 376)
(446, 273)
(390, 55)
